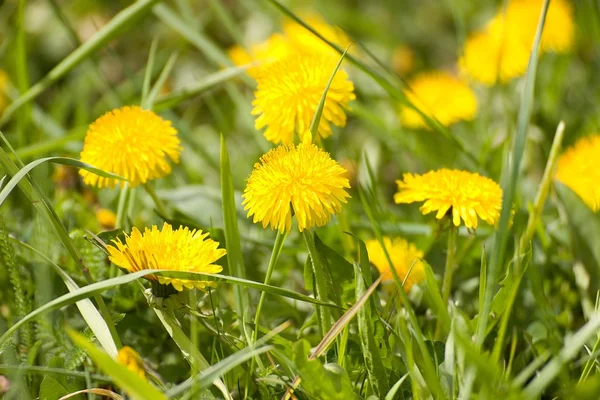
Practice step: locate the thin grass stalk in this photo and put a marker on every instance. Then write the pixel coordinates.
(509, 187)
(160, 206)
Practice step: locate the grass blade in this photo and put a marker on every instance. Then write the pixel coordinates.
(88, 311)
(121, 21)
(509, 187)
(129, 381)
(57, 160)
(233, 242)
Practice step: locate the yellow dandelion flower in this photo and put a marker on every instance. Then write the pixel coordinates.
(522, 16)
(468, 196)
(441, 96)
(404, 255)
(501, 51)
(3, 84)
(289, 91)
(178, 250)
(304, 39)
(295, 180)
(274, 48)
(132, 360)
(106, 218)
(493, 55)
(133, 143)
(578, 170)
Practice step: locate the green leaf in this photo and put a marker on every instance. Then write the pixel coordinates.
(337, 270)
(135, 386)
(235, 258)
(51, 389)
(324, 382)
(57, 160)
(367, 317)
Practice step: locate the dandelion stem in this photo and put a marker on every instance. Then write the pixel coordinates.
(277, 246)
(323, 314)
(122, 207)
(449, 269)
(160, 206)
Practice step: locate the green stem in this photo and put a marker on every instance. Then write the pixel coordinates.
(544, 188)
(189, 351)
(324, 316)
(277, 246)
(160, 206)
(122, 207)
(449, 269)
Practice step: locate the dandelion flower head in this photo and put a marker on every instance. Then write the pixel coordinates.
(106, 218)
(441, 96)
(132, 360)
(578, 170)
(403, 254)
(178, 250)
(289, 91)
(131, 142)
(501, 50)
(300, 180)
(468, 196)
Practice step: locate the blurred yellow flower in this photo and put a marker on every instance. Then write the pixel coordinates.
(404, 255)
(178, 250)
(501, 50)
(106, 218)
(132, 360)
(522, 16)
(441, 96)
(295, 180)
(578, 169)
(403, 60)
(131, 142)
(304, 39)
(289, 91)
(468, 196)
(272, 49)
(3, 97)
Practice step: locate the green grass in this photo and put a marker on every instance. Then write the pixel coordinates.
(507, 311)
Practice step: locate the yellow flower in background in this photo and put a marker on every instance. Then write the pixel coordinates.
(522, 17)
(131, 142)
(403, 60)
(305, 40)
(289, 91)
(491, 56)
(178, 250)
(468, 196)
(578, 170)
(295, 180)
(404, 255)
(501, 50)
(288, 94)
(132, 360)
(106, 218)
(441, 96)
(3, 97)
(272, 49)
